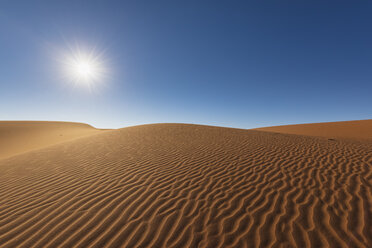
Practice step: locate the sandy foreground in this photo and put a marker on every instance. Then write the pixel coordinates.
(180, 185)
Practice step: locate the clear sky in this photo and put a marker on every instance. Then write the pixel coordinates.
(228, 63)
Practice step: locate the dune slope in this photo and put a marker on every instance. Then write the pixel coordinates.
(21, 136)
(174, 185)
(342, 129)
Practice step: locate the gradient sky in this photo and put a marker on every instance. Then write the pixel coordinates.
(228, 63)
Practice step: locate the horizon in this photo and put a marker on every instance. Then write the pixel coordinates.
(241, 65)
(186, 123)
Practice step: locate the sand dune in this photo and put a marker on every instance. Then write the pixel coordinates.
(20, 136)
(342, 129)
(175, 185)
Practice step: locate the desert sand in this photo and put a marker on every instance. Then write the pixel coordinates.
(343, 129)
(182, 185)
(21, 136)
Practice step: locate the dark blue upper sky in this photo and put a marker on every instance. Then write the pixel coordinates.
(228, 63)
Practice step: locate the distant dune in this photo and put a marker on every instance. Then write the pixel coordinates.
(179, 185)
(21, 136)
(343, 129)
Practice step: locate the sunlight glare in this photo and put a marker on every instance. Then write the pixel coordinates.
(84, 68)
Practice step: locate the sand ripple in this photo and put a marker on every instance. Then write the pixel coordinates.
(173, 185)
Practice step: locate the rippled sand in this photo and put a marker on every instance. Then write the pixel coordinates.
(179, 185)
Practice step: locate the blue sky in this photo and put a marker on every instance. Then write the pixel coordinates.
(227, 63)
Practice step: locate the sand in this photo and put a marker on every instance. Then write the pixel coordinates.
(342, 129)
(179, 185)
(21, 136)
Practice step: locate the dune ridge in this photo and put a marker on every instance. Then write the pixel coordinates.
(178, 185)
(17, 137)
(361, 129)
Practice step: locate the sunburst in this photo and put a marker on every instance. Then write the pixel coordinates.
(84, 67)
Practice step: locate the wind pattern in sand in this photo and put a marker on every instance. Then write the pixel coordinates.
(173, 185)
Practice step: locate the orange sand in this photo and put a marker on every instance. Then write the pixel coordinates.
(342, 129)
(178, 185)
(21, 136)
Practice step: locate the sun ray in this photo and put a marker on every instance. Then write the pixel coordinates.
(83, 67)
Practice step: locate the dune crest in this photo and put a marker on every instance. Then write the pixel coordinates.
(175, 185)
(17, 137)
(343, 129)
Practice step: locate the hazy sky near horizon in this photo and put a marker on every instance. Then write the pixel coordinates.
(228, 63)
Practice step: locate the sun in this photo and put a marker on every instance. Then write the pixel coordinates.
(84, 68)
